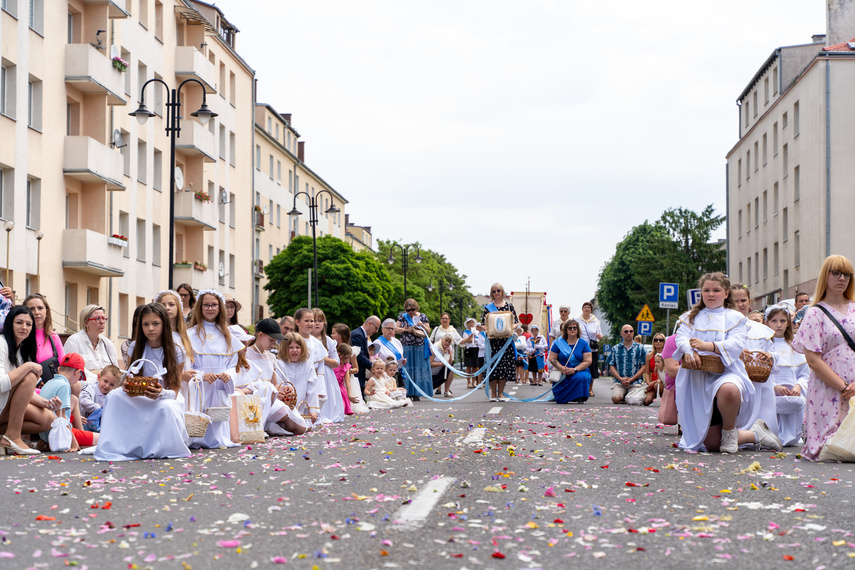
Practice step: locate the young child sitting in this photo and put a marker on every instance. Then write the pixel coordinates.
(381, 390)
(71, 370)
(94, 394)
(790, 379)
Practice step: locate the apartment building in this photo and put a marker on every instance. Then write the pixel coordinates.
(359, 237)
(283, 182)
(789, 195)
(87, 186)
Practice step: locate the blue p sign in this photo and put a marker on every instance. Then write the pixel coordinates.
(693, 296)
(645, 328)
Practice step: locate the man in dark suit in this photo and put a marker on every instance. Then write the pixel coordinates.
(360, 338)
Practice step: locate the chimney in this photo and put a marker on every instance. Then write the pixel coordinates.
(818, 38)
(286, 117)
(839, 22)
(301, 151)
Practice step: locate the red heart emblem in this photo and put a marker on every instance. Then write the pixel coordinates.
(526, 318)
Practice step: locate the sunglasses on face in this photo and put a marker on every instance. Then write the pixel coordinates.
(658, 340)
(626, 332)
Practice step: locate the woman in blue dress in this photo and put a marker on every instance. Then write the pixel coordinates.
(414, 329)
(572, 356)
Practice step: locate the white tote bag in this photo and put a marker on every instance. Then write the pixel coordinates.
(59, 437)
(840, 446)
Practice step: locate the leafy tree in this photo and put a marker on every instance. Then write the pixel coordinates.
(433, 265)
(351, 285)
(677, 248)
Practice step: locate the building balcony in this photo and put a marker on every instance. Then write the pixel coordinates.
(197, 279)
(90, 252)
(91, 71)
(90, 161)
(192, 63)
(196, 140)
(191, 211)
(117, 8)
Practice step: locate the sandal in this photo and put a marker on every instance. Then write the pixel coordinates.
(11, 445)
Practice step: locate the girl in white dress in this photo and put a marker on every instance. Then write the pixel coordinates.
(279, 419)
(294, 365)
(332, 410)
(710, 406)
(216, 356)
(759, 338)
(172, 302)
(379, 388)
(791, 378)
(304, 321)
(161, 409)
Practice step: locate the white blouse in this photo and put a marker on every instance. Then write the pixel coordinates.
(96, 357)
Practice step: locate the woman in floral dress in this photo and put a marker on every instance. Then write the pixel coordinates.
(831, 361)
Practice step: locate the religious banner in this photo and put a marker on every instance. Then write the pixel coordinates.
(531, 309)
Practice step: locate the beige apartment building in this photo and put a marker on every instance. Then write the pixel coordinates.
(790, 175)
(87, 186)
(359, 237)
(281, 174)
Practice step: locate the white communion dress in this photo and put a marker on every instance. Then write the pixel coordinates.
(332, 409)
(380, 400)
(265, 382)
(760, 338)
(305, 380)
(214, 355)
(792, 370)
(696, 390)
(165, 436)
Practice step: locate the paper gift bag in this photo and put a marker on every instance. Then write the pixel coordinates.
(245, 419)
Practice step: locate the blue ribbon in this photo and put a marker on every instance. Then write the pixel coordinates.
(388, 344)
(425, 340)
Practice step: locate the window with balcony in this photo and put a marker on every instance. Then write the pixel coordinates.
(73, 25)
(72, 118)
(34, 203)
(124, 230)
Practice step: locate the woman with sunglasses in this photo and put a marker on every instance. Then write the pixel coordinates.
(572, 356)
(414, 329)
(832, 362)
(89, 342)
(590, 330)
(653, 371)
(505, 370)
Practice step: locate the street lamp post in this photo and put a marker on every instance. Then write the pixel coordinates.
(312, 201)
(406, 260)
(173, 128)
(39, 235)
(440, 280)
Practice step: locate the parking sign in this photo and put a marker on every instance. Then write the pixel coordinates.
(693, 296)
(645, 328)
(668, 295)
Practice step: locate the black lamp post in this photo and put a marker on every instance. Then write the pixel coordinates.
(173, 128)
(313, 220)
(440, 280)
(406, 260)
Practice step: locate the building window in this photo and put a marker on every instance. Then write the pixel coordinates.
(126, 55)
(765, 263)
(232, 210)
(141, 161)
(775, 81)
(756, 157)
(222, 142)
(747, 165)
(796, 248)
(739, 224)
(157, 90)
(158, 19)
(126, 155)
(757, 267)
(7, 89)
(232, 90)
(279, 171)
(797, 185)
(270, 166)
(2, 192)
(140, 240)
(269, 253)
(34, 103)
(749, 269)
(222, 86)
(277, 131)
(784, 121)
(756, 213)
(37, 16)
(785, 219)
(796, 119)
(747, 108)
(775, 258)
(143, 13)
(290, 182)
(775, 199)
(765, 149)
(765, 206)
(124, 229)
(10, 7)
(269, 125)
(222, 264)
(155, 245)
(34, 199)
(775, 139)
(786, 281)
(157, 181)
(740, 271)
(755, 104)
(232, 149)
(222, 205)
(258, 157)
(232, 271)
(766, 90)
(748, 217)
(278, 216)
(739, 173)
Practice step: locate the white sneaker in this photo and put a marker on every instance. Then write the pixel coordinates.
(729, 440)
(765, 437)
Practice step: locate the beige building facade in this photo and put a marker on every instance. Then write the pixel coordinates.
(284, 181)
(93, 182)
(790, 175)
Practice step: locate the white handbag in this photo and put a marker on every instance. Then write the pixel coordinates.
(500, 324)
(59, 437)
(555, 375)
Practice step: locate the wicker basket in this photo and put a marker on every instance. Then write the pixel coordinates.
(711, 364)
(757, 368)
(196, 423)
(307, 415)
(218, 413)
(289, 394)
(137, 385)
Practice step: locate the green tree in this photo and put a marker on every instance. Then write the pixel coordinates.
(677, 248)
(433, 265)
(351, 285)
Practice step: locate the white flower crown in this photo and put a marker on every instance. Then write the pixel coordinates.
(213, 292)
(160, 295)
(773, 307)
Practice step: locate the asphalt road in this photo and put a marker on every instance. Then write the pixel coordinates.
(469, 484)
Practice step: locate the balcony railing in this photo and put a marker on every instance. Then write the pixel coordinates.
(91, 71)
(90, 161)
(192, 211)
(196, 140)
(88, 251)
(190, 62)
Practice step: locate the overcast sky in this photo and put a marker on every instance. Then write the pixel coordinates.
(518, 138)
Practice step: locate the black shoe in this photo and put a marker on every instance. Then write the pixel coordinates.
(416, 399)
(438, 392)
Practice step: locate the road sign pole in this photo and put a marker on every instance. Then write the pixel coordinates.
(667, 322)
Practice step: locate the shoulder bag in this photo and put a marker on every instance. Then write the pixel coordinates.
(846, 336)
(556, 375)
(49, 366)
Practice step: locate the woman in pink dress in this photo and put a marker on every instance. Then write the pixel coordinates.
(831, 361)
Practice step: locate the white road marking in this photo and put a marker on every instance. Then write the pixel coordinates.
(495, 410)
(475, 436)
(413, 515)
